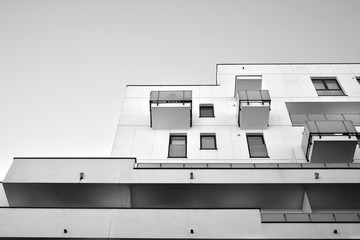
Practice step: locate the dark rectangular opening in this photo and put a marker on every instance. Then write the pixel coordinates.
(257, 146)
(208, 141)
(328, 86)
(206, 110)
(177, 146)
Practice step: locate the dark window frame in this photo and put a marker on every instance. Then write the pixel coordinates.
(170, 139)
(249, 135)
(213, 135)
(325, 82)
(207, 106)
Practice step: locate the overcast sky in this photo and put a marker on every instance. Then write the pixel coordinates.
(64, 64)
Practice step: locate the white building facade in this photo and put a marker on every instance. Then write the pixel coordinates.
(267, 151)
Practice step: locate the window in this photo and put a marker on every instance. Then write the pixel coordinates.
(257, 146)
(207, 110)
(327, 87)
(358, 79)
(177, 146)
(208, 141)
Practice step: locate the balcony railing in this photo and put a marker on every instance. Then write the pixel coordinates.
(310, 217)
(171, 97)
(142, 165)
(261, 96)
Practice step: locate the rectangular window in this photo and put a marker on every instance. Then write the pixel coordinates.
(208, 141)
(177, 146)
(207, 110)
(327, 86)
(257, 146)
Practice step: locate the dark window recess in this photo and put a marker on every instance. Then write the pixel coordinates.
(177, 146)
(208, 141)
(327, 87)
(207, 110)
(257, 146)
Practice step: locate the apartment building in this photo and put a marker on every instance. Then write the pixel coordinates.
(269, 151)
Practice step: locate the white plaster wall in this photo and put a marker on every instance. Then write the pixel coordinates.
(65, 170)
(285, 83)
(155, 223)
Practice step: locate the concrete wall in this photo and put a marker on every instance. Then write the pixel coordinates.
(286, 83)
(151, 223)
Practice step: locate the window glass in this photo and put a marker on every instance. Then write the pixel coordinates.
(257, 147)
(177, 146)
(319, 84)
(332, 84)
(207, 141)
(255, 140)
(327, 87)
(206, 110)
(177, 140)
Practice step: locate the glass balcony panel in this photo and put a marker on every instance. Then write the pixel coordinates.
(347, 217)
(355, 118)
(322, 217)
(273, 217)
(257, 96)
(334, 117)
(316, 117)
(297, 217)
(171, 96)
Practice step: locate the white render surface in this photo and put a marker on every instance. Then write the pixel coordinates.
(155, 223)
(254, 116)
(58, 170)
(127, 174)
(171, 116)
(286, 83)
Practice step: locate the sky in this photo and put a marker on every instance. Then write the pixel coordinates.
(64, 64)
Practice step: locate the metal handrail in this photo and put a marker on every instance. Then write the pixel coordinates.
(347, 217)
(247, 166)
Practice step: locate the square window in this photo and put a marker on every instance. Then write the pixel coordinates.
(257, 146)
(207, 110)
(177, 146)
(327, 86)
(208, 141)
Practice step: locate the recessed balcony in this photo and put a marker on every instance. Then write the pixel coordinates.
(253, 109)
(329, 141)
(170, 109)
(247, 82)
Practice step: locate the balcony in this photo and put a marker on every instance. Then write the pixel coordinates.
(170, 109)
(300, 112)
(329, 141)
(247, 83)
(163, 224)
(66, 182)
(253, 109)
